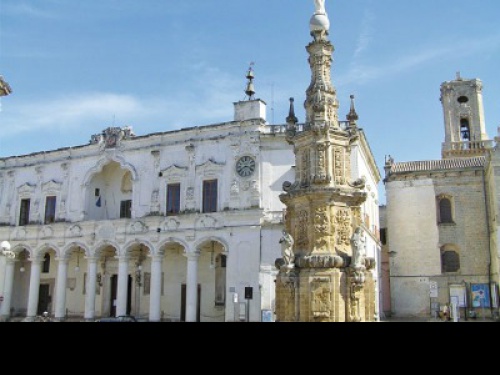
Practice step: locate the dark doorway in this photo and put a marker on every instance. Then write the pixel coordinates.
(43, 299)
(114, 292)
(183, 303)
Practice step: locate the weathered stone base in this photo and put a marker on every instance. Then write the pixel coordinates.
(324, 295)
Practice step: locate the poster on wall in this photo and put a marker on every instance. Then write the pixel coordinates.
(457, 293)
(480, 295)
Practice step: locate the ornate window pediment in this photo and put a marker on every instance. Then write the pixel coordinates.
(210, 168)
(51, 186)
(26, 189)
(174, 172)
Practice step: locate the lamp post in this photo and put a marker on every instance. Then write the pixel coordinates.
(5, 250)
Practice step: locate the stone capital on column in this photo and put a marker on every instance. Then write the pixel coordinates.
(192, 255)
(63, 259)
(123, 258)
(92, 259)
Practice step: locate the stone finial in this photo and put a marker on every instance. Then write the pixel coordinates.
(352, 116)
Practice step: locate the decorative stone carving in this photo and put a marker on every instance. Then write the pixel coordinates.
(75, 231)
(205, 221)
(358, 183)
(26, 189)
(321, 228)
(46, 232)
(171, 224)
(302, 225)
(358, 241)
(137, 227)
(174, 172)
(111, 136)
(286, 242)
(320, 261)
(51, 186)
(235, 188)
(321, 297)
(342, 221)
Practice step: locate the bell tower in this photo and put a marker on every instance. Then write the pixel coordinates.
(323, 273)
(464, 125)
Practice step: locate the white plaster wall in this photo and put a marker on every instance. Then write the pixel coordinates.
(413, 236)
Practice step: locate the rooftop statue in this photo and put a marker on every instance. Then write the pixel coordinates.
(320, 6)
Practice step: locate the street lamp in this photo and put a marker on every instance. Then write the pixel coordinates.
(5, 250)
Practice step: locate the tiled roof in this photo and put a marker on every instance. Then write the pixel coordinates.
(433, 165)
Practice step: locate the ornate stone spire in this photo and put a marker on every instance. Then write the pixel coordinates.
(321, 103)
(328, 279)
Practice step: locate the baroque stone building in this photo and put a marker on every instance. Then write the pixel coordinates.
(185, 225)
(171, 226)
(441, 216)
(328, 269)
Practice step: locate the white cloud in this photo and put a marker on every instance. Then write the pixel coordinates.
(362, 73)
(365, 36)
(209, 100)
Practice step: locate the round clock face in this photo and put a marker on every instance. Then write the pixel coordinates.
(245, 166)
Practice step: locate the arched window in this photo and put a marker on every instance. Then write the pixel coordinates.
(445, 211)
(464, 129)
(450, 260)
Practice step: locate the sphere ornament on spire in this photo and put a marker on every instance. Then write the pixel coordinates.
(319, 20)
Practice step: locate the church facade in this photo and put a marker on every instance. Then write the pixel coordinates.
(443, 245)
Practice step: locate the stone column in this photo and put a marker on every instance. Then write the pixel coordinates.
(90, 289)
(121, 298)
(155, 293)
(7, 289)
(34, 289)
(191, 284)
(62, 276)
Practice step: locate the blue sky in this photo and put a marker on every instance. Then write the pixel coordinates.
(77, 67)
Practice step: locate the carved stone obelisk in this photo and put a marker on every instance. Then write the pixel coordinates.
(326, 277)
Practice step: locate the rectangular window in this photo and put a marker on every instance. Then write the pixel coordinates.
(46, 263)
(383, 235)
(126, 209)
(24, 212)
(173, 199)
(210, 196)
(50, 209)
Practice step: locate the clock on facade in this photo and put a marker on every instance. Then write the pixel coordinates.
(245, 166)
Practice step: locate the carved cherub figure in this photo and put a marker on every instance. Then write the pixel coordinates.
(286, 242)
